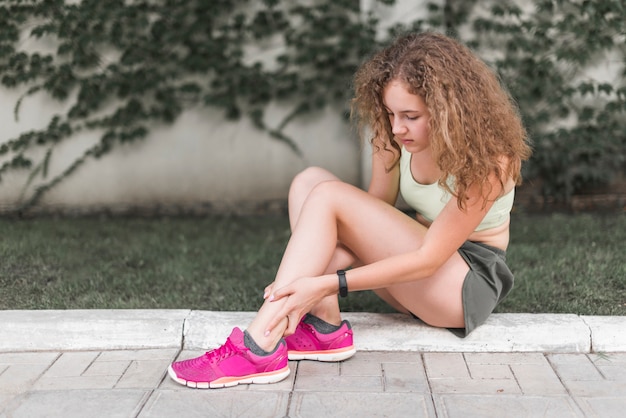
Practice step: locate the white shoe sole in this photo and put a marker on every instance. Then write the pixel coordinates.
(223, 382)
(326, 355)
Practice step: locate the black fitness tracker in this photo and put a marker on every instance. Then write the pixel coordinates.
(343, 285)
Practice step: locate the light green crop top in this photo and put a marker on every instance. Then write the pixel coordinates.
(429, 199)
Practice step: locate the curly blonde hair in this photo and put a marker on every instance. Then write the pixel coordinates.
(474, 123)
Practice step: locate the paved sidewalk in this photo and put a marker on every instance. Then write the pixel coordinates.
(113, 364)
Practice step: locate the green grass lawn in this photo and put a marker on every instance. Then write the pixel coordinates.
(565, 264)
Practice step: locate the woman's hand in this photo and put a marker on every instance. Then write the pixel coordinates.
(299, 297)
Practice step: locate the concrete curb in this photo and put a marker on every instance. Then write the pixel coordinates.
(138, 329)
(47, 330)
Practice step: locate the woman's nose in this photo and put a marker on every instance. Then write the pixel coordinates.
(397, 127)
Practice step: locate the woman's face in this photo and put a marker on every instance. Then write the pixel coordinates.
(408, 116)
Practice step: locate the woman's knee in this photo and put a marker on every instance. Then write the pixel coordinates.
(304, 182)
(328, 190)
(308, 178)
(302, 185)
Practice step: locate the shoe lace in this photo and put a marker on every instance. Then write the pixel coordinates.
(220, 353)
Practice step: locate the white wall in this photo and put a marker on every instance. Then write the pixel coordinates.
(201, 159)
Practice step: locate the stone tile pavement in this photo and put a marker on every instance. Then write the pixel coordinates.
(93, 364)
(133, 383)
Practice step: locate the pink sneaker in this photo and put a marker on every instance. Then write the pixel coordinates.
(307, 343)
(230, 365)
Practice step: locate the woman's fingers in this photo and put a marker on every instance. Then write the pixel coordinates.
(268, 290)
(292, 324)
(276, 295)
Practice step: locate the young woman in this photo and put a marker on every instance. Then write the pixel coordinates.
(447, 136)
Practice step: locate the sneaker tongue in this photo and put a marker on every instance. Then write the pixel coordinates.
(236, 337)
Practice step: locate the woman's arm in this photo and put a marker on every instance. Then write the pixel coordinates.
(384, 185)
(443, 238)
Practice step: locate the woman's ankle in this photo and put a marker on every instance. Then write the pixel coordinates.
(255, 348)
(328, 311)
(332, 318)
(267, 342)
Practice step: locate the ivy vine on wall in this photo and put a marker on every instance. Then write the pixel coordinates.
(127, 66)
(577, 119)
(150, 60)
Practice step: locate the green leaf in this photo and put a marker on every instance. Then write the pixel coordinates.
(586, 88)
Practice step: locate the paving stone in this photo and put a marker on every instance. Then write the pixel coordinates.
(490, 371)
(472, 406)
(20, 377)
(535, 379)
(574, 367)
(143, 374)
(197, 403)
(328, 404)
(474, 386)
(360, 368)
(19, 371)
(329, 383)
(601, 388)
(611, 366)
(404, 377)
(75, 383)
(448, 365)
(582, 378)
(107, 368)
(603, 407)
(100, 370)
(77, 404)
(5, 399)
(529, 373)
(71, 364)
(318, 368)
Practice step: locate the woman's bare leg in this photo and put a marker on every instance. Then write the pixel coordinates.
(301, 187)
(372, 230)
(328, 308)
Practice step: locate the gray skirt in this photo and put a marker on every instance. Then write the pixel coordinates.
(487, 283)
